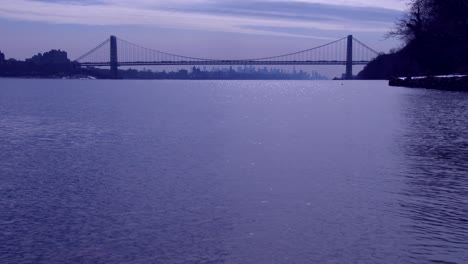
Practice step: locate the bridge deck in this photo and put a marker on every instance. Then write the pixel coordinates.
(222, 62)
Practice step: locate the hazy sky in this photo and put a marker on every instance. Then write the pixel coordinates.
(211, 28)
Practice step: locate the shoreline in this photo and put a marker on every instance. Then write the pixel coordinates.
(143, 79)
(441, 82)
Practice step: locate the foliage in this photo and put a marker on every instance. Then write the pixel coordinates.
(434, 19)
(435, 33)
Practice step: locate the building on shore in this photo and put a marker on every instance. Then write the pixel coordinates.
(2, 57)
(50, 57)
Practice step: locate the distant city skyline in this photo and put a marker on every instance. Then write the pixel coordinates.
(205, 28)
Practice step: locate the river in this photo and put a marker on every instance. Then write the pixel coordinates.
(232, 172)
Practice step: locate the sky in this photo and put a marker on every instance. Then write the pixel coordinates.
(230, 29)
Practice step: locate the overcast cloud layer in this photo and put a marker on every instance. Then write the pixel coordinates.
(270, 17)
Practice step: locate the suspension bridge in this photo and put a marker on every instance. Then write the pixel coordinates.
(115, 52)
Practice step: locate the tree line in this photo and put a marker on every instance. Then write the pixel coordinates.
(435, 37)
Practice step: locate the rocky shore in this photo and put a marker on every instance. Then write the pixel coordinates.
(442, 82)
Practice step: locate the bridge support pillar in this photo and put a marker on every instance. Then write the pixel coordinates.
(349, 58)
(114, 63)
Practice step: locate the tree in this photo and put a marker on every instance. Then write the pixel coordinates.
(436, 33)
(435, 18)
(410, 27)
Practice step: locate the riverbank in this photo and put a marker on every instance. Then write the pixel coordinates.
(442, 82)
(65, 77)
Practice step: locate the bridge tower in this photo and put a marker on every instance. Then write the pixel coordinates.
(114, 63)
(349, 58)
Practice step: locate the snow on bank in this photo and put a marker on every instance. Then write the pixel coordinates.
(437, 76)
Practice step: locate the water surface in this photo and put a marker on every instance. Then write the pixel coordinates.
(232, 172)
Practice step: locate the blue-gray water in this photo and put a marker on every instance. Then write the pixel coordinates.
(231, 172)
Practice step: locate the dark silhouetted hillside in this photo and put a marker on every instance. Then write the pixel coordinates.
(436, 42)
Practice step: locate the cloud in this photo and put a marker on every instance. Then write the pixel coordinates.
(399, 5)
(228, 16)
